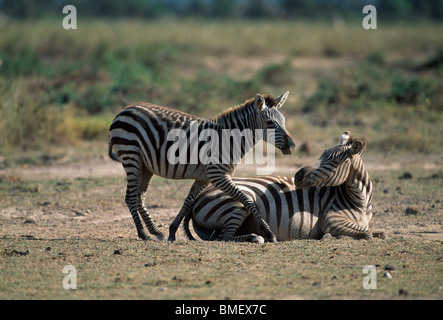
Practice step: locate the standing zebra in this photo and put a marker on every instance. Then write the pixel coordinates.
(139, 139)
(333, 196)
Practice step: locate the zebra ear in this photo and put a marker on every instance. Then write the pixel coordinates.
(358, 147)
(260, 102)
(281, 100)
(345, 136)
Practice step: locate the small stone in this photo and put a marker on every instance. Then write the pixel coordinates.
(402, 292)
(411, 211)
(387, 275)
(388, 267)
(30, 221)
(406, 175)
(118, 251)
(386, 191)
(151, 264)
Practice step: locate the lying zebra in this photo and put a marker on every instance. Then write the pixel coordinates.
(333, 195)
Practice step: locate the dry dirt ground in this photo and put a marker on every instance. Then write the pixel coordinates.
(48, 212)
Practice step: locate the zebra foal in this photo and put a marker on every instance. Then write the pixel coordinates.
(139, 138)
(331, 195)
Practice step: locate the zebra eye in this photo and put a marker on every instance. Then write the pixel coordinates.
(269, 122)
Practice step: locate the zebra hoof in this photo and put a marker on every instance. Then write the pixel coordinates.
(171, 238)
(272, 240)
(327, 236)
(379, 234)
(143, 236)
(257, 239)
(160, 236)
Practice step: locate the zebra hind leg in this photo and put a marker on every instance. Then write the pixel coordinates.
(138, 181)
(149, 222)
(196, 189)
(228, 187)
(131, 202)
(251, 237)
(186, 225)
(144, 183)
(232, 228)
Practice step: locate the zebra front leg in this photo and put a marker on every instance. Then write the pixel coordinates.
(345, 227)
(226, 184)
(196, 189)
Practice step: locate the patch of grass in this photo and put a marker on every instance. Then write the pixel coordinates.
(55, 85)
(27, 123)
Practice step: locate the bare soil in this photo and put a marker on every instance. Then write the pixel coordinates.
(42, 215)
(74, 213)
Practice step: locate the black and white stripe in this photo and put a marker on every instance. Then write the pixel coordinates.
(333, 195)
(138, 138)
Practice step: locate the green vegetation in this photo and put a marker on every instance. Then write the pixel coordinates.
(222, 9)
(63, 86)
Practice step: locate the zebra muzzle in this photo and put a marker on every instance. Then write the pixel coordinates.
(289, 147)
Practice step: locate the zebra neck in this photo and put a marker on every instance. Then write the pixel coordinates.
(240, 117)
(358, 186)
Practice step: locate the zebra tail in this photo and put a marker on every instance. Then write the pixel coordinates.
(112, 154)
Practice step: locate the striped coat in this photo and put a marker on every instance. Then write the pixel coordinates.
(140, 138)
(333, 195)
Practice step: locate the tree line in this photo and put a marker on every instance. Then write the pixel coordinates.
(393, 10)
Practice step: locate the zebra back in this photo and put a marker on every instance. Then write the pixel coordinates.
(146, 129)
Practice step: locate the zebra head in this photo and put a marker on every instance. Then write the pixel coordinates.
(334, 165)
(272, 122)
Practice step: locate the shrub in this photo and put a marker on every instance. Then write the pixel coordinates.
(410, 91)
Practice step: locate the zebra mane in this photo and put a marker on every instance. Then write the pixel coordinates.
(270, 102)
